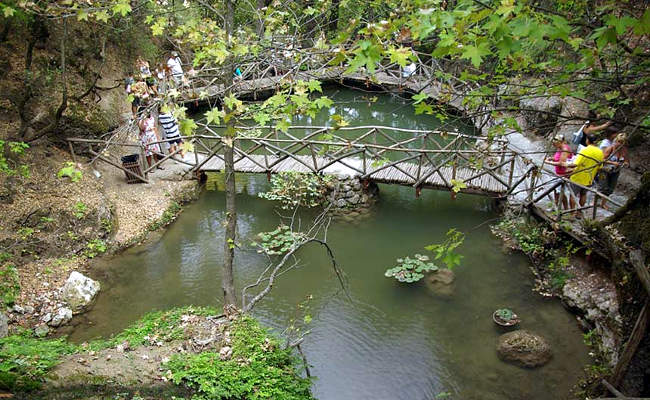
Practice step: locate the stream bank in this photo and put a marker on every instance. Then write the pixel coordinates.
(53, 226)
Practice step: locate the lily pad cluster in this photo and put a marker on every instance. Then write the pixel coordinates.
(278, 241)
(411, 270)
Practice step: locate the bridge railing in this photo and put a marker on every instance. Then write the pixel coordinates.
(417, 158)
(413, 157)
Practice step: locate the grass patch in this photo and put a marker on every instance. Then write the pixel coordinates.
(9, 283)
(258, 368)
(161, 326)
(24, 360)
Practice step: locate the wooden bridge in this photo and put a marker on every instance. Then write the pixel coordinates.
(422, 159)
(418, 158)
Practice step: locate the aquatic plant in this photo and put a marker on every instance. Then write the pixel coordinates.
(278, 241)
(411, 270)
(505, 314)
(446, 251)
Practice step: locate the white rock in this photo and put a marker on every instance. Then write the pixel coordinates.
(47, 318)
(79, 291)
(225, 353)
(62, 317)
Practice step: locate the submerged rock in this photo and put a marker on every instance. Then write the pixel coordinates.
(79, 291)
(440, 282)
(524, 348)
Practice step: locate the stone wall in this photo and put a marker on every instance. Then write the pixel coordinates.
(350, 197)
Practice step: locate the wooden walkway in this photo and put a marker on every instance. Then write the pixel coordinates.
(417, 158)
(403, 173)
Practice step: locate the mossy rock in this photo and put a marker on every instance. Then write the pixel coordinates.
(524, 348)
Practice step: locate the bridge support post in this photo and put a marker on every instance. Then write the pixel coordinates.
(268, 176)
(418, 191)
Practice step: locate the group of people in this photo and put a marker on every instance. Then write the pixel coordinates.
(589, 161)
(151, 138)
(145, 84)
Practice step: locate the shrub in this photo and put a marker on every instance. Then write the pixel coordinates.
(9, 283)
(294, 189)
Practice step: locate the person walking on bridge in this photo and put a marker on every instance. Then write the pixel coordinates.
(559, 160)
(585, 167)
(175, 66)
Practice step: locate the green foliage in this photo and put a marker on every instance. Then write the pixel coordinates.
(9, 283)
(411, 270)
(458, 185)
(168, 216)
(80, 209)
(154, 327)
(590, 338)
(530, 237)
(258, 369)
(95, 247)
(505, 314)
(70, 171)
(278, 241)
(25, 360)
(297, 189)
(446, 251)
(25, 232)
(10, 154)
(557, 267)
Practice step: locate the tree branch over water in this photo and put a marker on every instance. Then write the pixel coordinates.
(272, 271)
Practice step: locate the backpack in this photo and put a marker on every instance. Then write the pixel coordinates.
(577, 138)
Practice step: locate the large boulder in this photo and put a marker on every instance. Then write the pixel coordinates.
(540, 113)
(79, 291)
(4, 325)
(524, 348)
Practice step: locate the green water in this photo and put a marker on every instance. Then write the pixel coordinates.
(390, 340)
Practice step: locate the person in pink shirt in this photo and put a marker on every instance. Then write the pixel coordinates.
(560, 161)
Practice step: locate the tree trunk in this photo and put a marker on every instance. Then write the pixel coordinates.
(227, 277)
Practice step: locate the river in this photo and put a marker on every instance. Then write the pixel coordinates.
(389, 340)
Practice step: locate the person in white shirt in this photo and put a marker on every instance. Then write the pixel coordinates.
(175, 66)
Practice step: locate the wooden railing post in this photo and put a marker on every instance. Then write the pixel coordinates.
(512, 171)
(595, 208)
